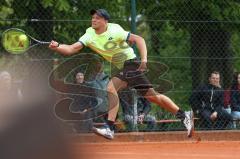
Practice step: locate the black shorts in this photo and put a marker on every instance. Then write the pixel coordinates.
(135, 79)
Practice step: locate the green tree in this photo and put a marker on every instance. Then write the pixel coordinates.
(210, 25)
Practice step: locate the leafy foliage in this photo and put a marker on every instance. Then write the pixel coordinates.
(167, 26)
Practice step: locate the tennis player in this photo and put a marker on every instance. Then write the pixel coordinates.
(112, 42)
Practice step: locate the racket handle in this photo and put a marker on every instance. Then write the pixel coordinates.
(44, 43)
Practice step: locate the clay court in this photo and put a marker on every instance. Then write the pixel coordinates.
(142, 146)
(166, 150)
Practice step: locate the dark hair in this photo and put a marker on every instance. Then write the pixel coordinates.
(213, 72)
(235, 78)
(101, 12)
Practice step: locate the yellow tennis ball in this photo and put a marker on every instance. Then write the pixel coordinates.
(23, 38)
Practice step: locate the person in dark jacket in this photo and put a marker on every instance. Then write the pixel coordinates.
(142, 114)
(207, 102)
(235, 97)
(81, 104)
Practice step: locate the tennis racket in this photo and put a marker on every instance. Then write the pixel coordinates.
(17, 41)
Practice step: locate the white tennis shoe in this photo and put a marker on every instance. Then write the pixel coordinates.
(104, 131)
(188, 123)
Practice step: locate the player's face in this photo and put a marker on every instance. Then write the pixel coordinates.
(98, 22)
(215, 79)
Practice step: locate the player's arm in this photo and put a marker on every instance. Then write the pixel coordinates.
(66, 49)
(141, 45)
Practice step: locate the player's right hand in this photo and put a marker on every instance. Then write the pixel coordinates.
(53, 44)
(142, 67)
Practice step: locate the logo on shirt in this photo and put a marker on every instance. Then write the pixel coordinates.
(110, 38)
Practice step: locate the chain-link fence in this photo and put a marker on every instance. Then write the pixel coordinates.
(186, 41)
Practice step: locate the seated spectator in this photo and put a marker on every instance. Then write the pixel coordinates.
(99, 83)
(81, 104)
(207, 102)
(8, 93)
(10, 99)
(85, 94)
(143, 109)
(235, 98)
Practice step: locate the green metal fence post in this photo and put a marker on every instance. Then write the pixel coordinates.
(133, 16)
(133, 30)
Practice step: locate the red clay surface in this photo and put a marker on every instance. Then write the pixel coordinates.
(159, 150)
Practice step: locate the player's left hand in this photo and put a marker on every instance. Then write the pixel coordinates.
(142, 67)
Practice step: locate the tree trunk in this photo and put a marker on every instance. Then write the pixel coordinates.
(198, 54)
(155, 43)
